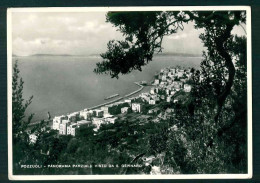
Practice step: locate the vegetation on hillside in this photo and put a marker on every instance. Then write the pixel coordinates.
(206, 132)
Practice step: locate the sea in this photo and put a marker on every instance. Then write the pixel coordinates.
(64, 84)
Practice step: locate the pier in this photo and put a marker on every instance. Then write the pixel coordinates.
(130, 94)
(112, 96)
(106, 103)
(120, 98)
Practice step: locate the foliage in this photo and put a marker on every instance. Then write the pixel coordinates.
(207, 130)
(212, 115)
(143, 33)
(19, 124)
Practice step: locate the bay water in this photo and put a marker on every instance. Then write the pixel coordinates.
(63, 84)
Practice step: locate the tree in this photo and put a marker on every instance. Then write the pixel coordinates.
(21, 147)
(144, 32)
(217, 38)
(211, 110)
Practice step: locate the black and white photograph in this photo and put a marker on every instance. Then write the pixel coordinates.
(108, 93)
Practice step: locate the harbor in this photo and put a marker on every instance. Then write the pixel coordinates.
(141, 87)
(120, 98)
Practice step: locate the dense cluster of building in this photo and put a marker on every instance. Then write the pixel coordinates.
(166, 84)
(69, 124)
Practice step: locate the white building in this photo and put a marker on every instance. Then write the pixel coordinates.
(169, 81)
(89, 115)
(117, 103)
(97, 122)
(57, 121)
(180, 74)
(173, 92)
(129, 101)
(152, 102)
(184, 80)
(83, 122)
(124, 110)
(166, 71)
(111, 120)
(162, 97)
(151, 111)
(177, 84)
(73, 116)
(201, 78)
(189, 75)
(155, 97)
(187, 87)
(152, 91)
(169, 110)
(33, 138)
(84, 114)
(162, 84)
(173, 70)
(99, 113)
(170, 74)
(71, 129)
(164, 77)
(63, 127)
(145, 96)
(136, 107)
(156, 81)
(168, 99)
(105, 109)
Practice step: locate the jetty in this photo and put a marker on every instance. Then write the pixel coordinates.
(120, 98)
(112, 96)
(106, 103)
(136, 91)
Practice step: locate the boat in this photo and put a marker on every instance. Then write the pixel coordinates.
(112, 96)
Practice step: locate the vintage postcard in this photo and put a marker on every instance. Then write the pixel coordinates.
(129, 93)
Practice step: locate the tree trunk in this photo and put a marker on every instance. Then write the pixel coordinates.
(220, 42)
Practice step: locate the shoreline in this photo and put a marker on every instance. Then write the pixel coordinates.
(120, 98)
(106, 103)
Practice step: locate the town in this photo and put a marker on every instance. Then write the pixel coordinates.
(169, 85)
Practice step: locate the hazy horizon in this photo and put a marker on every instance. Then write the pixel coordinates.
(156, 54)
(85, 33)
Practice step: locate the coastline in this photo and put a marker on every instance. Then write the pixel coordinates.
(140, 89)
(72, 92)
(124, 97)
(120, 98)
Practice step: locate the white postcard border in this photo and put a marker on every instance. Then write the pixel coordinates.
(124, 177)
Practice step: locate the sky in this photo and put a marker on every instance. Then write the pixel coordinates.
(85, 34)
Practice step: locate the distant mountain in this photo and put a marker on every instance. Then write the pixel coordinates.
(94, 55)
(98, 55)
(179, 54)
(40, 55)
